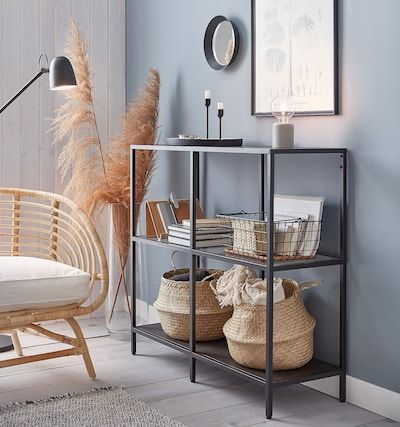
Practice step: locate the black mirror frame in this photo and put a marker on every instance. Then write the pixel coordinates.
(208, 41)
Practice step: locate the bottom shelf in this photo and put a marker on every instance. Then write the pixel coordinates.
(216, 353)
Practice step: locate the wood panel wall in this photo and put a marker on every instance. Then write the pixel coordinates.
(28, 28)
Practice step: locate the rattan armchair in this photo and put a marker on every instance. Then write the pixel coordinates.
(45, 225)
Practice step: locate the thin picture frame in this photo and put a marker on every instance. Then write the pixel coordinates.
(335, 84)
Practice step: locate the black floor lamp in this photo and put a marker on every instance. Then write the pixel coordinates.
(61, 77)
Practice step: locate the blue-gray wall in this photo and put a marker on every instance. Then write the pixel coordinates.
(169, 35)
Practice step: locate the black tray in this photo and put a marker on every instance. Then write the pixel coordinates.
(211, 142)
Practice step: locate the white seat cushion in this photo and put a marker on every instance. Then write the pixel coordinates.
(34, 283)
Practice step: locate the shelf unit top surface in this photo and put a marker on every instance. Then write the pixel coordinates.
(245, 149)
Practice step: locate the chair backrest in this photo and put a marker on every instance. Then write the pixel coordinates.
(47, 225)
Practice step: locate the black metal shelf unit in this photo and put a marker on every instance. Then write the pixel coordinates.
(216, 353)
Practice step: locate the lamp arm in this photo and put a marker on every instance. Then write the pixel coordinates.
(42, 71)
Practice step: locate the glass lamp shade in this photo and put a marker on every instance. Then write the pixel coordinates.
(62, 74)
(283, 108)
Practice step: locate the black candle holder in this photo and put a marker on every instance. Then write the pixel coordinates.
(220, 115)
(207, 104)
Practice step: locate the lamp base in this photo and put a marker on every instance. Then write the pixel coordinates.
(5, 343)
(283, 135)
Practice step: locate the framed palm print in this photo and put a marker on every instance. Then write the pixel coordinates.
(294, 54)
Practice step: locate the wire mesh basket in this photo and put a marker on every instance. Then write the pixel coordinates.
(294, 238)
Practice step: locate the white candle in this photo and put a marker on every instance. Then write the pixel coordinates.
(207, 94)
(220, 106)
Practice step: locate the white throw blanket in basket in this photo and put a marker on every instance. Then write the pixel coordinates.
(240, 285)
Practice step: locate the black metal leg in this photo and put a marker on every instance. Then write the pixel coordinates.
(342, 377)
(133, 293)
(133, 343)
(192, 370)
(133, 314)
(343, 280)
(194, 194)
(192, 339)
(133, 233)
(342, 387)
(269, 272)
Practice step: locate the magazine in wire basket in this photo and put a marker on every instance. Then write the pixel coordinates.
(294, 238)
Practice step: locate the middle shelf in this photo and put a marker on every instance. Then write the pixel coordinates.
(218, 253)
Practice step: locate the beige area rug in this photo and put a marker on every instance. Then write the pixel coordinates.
(105, 407)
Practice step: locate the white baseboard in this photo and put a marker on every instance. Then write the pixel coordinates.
(363, 394)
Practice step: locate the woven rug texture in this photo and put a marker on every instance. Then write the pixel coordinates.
(105, 407)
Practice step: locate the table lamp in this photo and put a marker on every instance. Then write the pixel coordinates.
(283, 132)
(61, 77)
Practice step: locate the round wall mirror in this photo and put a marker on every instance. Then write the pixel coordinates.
(221, 43)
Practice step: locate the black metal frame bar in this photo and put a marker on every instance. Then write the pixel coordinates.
(194, 194)
(41, 72)
(133, 247)
(343, 281)
(267, 191)
(269, 272)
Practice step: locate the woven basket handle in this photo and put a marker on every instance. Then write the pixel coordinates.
(210, 277)
(308, 284)
(171, 260)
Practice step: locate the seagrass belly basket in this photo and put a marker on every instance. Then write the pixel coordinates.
(173, 306)
(293, 331)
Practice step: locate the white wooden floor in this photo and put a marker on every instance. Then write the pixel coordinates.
(159, 375)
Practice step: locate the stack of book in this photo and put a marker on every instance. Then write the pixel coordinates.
(209, 233)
